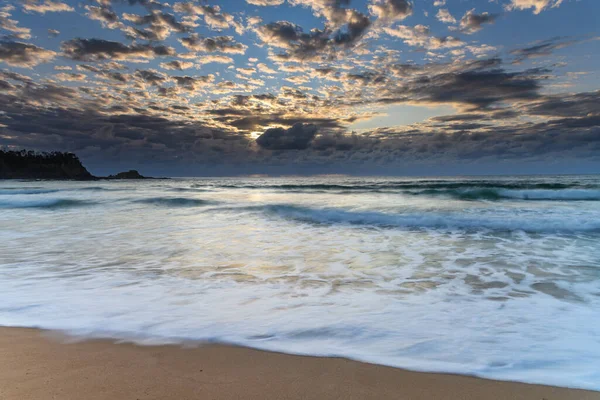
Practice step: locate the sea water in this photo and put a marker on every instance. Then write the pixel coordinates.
(495, 277)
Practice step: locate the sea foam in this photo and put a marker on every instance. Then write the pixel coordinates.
(504, 288)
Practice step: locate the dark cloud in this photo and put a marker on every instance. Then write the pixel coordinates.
(19, 54)
(105, 15)
(160, 26)
(392, 10)
(149, 4)
(265, 2)
(177, 65)
(573, 105)
(543, 48)
(459, 117)
(316, 44)
(213, 16)
(192, 83)
(343, 30)
(99, 49)
(51, 116)
(298, 137)
(70, 77)
(356, 26)
(110, 110)
(152, 77)
(105, 72)
(477, 88)
(222, 44)
(471, 22)
(50, 120)
(472, 84)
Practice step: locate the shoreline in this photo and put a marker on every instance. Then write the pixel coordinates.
(39, 365)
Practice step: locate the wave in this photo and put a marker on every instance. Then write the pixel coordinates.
(174, 202)
(102, 189)
(423, 220)
(25, 191)
(49, 204)
(15, 191)
(407, 185)
(480, 193)
(190, 189)
(471, 190)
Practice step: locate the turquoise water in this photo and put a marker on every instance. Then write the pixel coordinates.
(497, 277)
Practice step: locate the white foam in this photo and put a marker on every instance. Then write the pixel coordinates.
(545, 194)
(500, 304)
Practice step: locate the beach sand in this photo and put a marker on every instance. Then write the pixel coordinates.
(43, 365)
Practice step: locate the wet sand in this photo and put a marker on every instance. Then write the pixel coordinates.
(41, 365)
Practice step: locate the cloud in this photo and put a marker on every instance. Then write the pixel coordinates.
(471, 22)
(444, 16)
(193, 83)
(537, 5)
(213, 16)
(265, 68)
(343, 29)
(542, 48)
(115, 110)
(106, 16)
(213, 58)
(265, 2)
(151, 76)
(585, 104)
(332, 10)
(18, 54)
(418, 36)
(391, 10)
(70, 77)
(298, 137)
(100, 137)
(148, 4)
(246, 71)
(46, 6)
(474, 85)
(11, 25)
(99, 49)
(223, 44)
(177, 65)
(161, 25)
(50, 116)
(316, 44)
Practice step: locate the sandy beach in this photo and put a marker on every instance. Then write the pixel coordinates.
(41, 365)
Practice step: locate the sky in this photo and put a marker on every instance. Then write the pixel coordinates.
(365, 87)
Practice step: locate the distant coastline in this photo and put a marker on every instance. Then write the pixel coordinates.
(29, 164)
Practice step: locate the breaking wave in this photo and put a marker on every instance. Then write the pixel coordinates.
(400, 277)
(174, 202)
(410, 185)
(480, 193)
(426, 220)
(50, 204)
(18, 191)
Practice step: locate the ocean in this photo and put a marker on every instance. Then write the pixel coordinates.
(497, 277)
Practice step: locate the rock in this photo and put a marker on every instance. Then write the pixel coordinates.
(131, 174)
(25, 164)
(28, 164)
